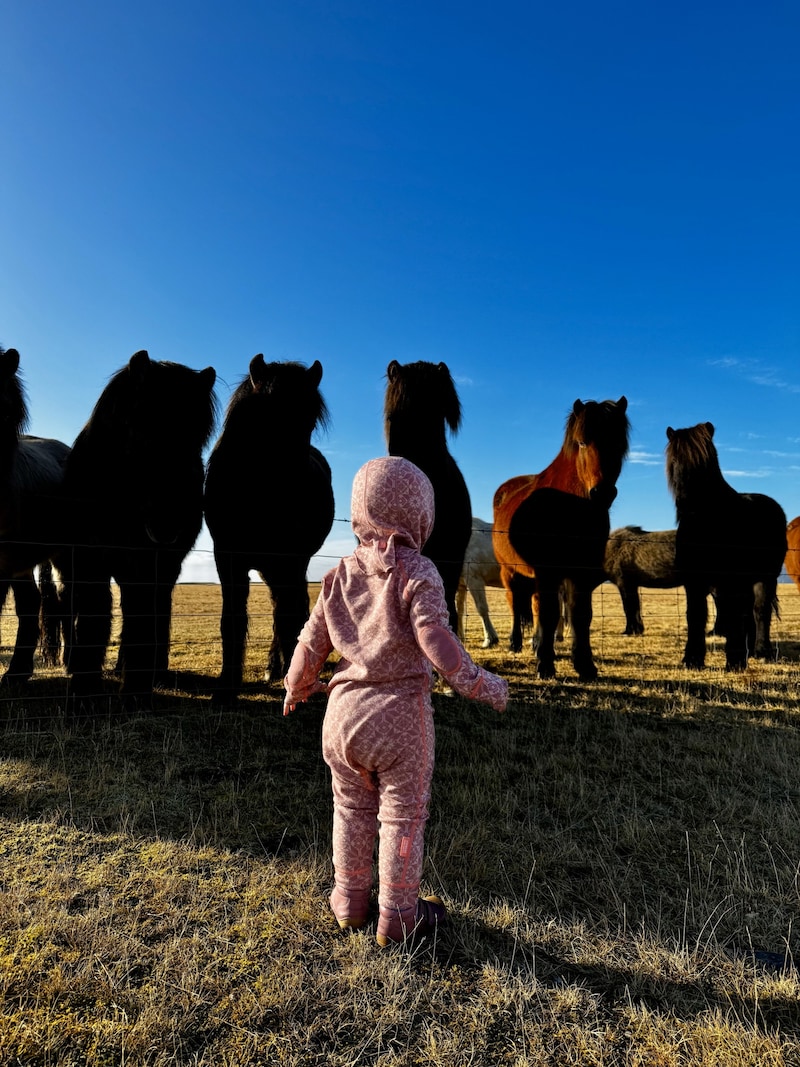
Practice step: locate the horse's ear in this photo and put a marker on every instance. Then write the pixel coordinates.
(709, 427)
(393, 370)
(670, 434)
(208, 378)
(11, 357)
(257, 371)
(578, 407)
(315, 372)
(622, 404)
(444, 369)
(139, 363)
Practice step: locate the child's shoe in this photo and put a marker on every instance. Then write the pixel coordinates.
(350, 907)
(395, 926)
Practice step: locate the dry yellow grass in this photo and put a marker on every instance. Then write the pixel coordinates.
(621, 861)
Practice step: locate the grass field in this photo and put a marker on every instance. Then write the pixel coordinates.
(621, 862)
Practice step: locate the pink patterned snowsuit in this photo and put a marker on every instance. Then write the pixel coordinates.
(383, 609)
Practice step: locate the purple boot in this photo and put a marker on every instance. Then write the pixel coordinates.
(350, 907)
(396, 927)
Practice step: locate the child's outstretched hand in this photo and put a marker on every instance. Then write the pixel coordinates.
(291, 701)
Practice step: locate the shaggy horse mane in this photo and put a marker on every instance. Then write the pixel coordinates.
(14, 406)
(130, 398)
(599, 421)
(421, 388)
(692, 451)
(262, 379)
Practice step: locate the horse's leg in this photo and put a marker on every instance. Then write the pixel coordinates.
(477, 588)
(50, 621)
(146, 606)
(461, 606)
(632, 606)
(507, 575)
(549, 614)
(735, 607)
(451, 575)
(27, 601)
(579, 601)
(168, 569)
(87, 599)
(290, 607)
(235, 582)
(694, 654)
(765, 602)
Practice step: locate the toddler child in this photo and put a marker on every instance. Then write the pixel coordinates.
(383, 609)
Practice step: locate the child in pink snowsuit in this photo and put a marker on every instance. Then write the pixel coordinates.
(383, 609)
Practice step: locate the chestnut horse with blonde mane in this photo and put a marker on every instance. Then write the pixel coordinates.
(792, 562)
(551, 528)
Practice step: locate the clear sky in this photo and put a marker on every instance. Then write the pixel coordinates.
(557, 200)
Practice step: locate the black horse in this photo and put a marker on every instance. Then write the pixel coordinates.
(31, 515)
(420, 402)
(635, 557)
(134, 489)
(269, 507)
(727, 543)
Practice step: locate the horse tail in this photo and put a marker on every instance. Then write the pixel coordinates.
(49, 616)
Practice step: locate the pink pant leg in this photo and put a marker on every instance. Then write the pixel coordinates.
(355, 827)
(380, 748)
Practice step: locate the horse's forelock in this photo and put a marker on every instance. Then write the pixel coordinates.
(691, 452)
(141, 391)
(277, 378)
(601, 422)
(422, 386)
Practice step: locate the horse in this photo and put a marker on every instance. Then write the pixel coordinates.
(269, 507)
(480, 569)
(31, 514)
(792, 562)
(551, 529)
(727, 543)
(635, 557)
(134, 491)
(420, 402)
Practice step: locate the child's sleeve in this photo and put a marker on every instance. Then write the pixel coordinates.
(446, 653)
(311, 651)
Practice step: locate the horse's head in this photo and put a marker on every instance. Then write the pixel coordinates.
(286, 393)
(145, 438)
(424, 393)
(691, 458)
(13, 408)
(597, 437)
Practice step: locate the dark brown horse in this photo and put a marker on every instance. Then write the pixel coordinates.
(551, 528)
(31, 515)
(269, 508)
(421, 402)
(635, 557)
(134, 488)
(727, 543)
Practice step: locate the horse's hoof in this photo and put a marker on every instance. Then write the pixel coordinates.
(588, 675)
(490, 642)
(545, 671)
(692, 664)
(736, 665)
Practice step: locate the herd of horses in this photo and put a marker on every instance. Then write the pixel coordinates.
(126, 503)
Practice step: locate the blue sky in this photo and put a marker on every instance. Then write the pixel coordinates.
(558, 201)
